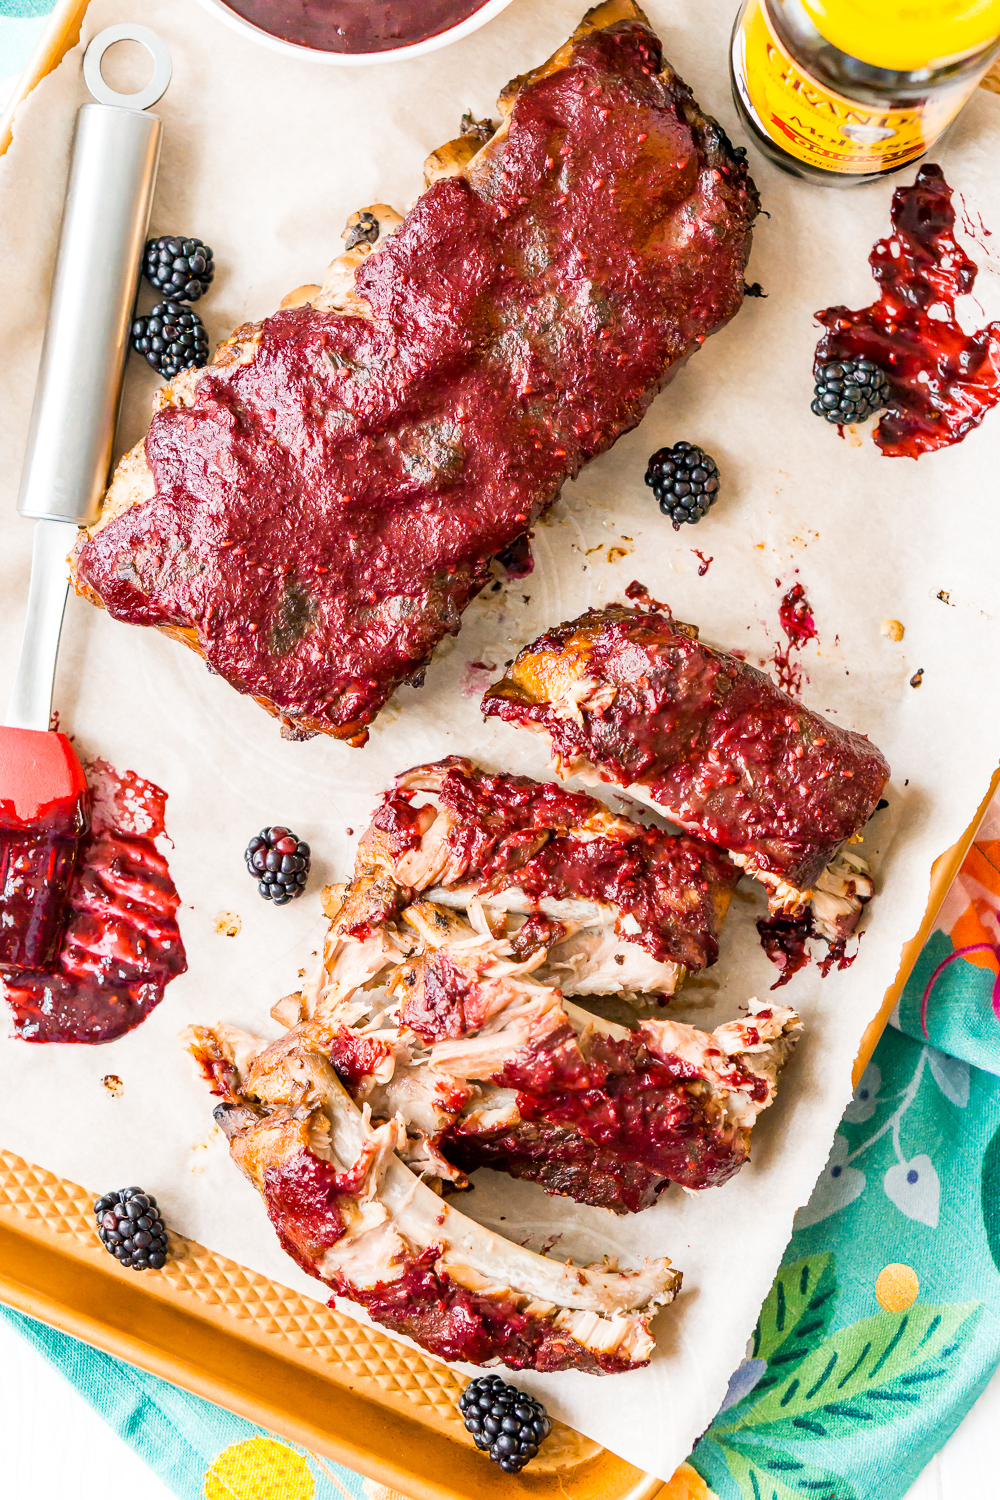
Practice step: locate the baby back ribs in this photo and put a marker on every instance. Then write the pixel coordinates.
(612, 1116)
(618, 906)
(350, 1213)
(633, 696)
(315, 509)
(434, 1017)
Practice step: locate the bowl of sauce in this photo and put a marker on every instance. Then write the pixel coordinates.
(355, 32)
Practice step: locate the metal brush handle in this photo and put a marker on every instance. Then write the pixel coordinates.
(116, 149)
(108, 198)
(30, 704)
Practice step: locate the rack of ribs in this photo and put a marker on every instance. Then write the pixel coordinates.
(616, 905)
(313, 510)
(350, 1213)
(629, 695)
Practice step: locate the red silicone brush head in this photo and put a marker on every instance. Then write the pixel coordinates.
(44, 814)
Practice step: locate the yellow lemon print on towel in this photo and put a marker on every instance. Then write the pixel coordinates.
(896, 1287)
(687, 1484)
(259, 1469)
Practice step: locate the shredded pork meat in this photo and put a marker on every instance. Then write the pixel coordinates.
(352, 1215)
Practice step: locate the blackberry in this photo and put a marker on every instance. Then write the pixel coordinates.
(849, 390)
(279, 862)
(172, 337)
(685, 481)
(131, 1229)
(181, 268)
(504, 1420)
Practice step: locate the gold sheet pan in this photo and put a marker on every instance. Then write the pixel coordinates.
(305, 1371)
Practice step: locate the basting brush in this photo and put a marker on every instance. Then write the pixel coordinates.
(44, 801)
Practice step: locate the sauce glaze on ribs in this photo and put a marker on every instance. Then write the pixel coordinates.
(455, 1018)
(314, 510)
(617, 905)
(487, 1064)
(433, 1039)
(634, 696)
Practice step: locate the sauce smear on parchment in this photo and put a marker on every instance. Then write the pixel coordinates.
(942, 380)
(122, 946)
(785, 939)
(796, 618)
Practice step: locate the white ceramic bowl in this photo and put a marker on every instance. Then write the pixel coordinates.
(471, 23)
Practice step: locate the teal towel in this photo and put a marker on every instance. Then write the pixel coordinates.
(21, 24)
(200, 1451)
(883, 1325)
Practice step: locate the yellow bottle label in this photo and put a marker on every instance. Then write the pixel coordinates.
(816, 125)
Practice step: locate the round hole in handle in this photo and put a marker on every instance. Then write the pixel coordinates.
(154, 45)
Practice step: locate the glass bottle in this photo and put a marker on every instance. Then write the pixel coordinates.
(845, 91)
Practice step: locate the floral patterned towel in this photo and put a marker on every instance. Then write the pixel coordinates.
(883, 1325)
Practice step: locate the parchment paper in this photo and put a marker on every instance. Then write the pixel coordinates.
(264, 158)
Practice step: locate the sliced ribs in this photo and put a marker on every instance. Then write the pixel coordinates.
(617, 906)
(632, 696)
(313, 511)
(432, 1017)
(351, 1214)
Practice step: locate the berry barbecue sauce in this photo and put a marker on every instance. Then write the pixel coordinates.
(796, 618)
(355, 25)
(784, 940)
(122, 945)
(942, 381)
(323, 514)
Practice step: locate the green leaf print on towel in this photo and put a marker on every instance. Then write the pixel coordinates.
(801, 1383)
(868, 1373)
(797, 1312)
(990, 1197)
(770, 1474)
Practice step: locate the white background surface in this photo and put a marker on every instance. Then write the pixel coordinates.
(55, 1447)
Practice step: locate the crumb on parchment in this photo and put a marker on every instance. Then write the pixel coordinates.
(893, 629)
(113, 1084)
(228, 924)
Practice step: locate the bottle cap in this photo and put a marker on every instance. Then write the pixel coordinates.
(904, 35)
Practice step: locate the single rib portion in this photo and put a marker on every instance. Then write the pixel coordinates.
(617, 906)
(631, 695)
(351, 1214)
(617, 1115)
(314, 510)
(433, 1019)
